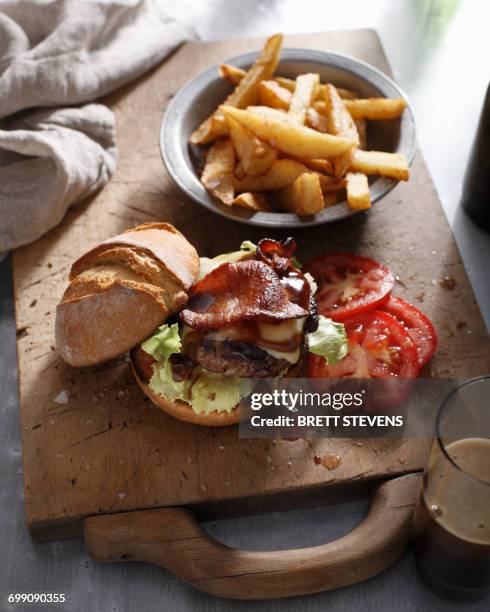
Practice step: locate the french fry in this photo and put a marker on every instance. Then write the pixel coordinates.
(303, 197)
(273, 95)
(340, 123)
(247, 90)
(268, 113)
(391, 165)
(319, 165)
(239, 171)
(341, 165)
(230, 73)
(302, 97)
(256, 156)
(362, 131)
(234, 75)
(282, 173)
(376, 108)
(339, 120)
(358, 197)
(288, 84)
(347, 94)
(320, 106)
(218, 126)
(299, 141)
(315, 120)
(210, 129)
(217, 175)
(330, 184)
(252, 201)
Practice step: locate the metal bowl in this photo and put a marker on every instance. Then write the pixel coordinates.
(200, 96)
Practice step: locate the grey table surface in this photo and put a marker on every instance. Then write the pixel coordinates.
(439, 51)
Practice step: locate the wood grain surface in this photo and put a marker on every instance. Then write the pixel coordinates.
(108, 449)
(173, 539)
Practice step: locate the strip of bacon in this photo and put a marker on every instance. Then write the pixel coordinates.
(276, 254)
(246, 290)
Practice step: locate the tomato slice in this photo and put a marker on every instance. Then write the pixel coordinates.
(418, 326)
(379, 347)
(349, 284)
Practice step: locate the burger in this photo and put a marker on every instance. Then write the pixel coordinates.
(251, 314)
(199, 331)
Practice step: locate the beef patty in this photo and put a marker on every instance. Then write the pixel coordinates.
(238, 359)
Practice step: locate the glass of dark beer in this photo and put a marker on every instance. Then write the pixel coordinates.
(451, 530)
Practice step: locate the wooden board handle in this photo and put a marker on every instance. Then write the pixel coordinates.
(173, 539)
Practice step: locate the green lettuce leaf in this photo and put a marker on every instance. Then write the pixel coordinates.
(248, 246)
(164, 342)
(205, 391)
(215, 392)
(162, 382)
(329, 340)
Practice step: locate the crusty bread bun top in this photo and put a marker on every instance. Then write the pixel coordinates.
(122, 290)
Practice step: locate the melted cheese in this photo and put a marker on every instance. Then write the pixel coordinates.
(268, 333)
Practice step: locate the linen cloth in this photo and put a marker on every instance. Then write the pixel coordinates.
(60, 53)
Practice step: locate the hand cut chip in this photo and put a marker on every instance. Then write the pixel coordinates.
(358, 197)
(303, 197)
(293, 139)
(391, 165)
(217, 175)
(247, 90)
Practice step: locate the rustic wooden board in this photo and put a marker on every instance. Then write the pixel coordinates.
(108, 449)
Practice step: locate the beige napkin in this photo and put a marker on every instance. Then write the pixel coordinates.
(57, 54)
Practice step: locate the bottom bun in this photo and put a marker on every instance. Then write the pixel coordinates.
(183, 411)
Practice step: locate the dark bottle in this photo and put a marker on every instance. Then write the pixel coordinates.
(476, 185)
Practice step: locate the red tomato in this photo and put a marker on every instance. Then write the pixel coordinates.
(379, 347)
(418, 326)
(349, 284)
